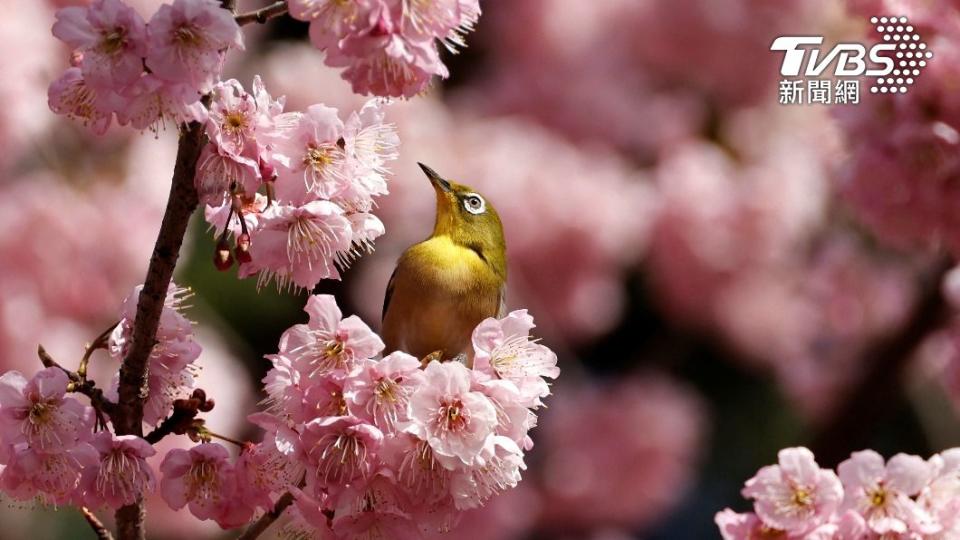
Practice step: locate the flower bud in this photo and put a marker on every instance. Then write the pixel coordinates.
(222, 258)
(243, 249)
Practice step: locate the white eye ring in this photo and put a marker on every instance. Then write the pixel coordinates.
(474, 203)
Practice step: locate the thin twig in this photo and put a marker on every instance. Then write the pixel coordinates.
(98, 528)
(262, 15)
(100, 342)
(880, 387)
(49, 362)
(98, 400)
(267, 519)
(128, 420)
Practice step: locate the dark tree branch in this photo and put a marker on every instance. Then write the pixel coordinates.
(95, 524)
(128, 418)
(262, 15)
(267, 519)
(880, 388)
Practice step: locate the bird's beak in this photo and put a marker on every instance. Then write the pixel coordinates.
(435, 179)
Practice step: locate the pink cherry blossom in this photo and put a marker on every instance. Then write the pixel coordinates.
(112, 37)
(882, 493)
(369, 144)
(298, 246)
(417, 469)
(796, 495)
(201, 478)
(121, 474)
(312, 160)
(187, 39)
(70, 95)
(51, 476)
(498, 471)
(218, 171)
(270, 467)
(503, 348)
(330, 343)
(171, 370)
(734, 526)
(445, 19)
(454, 420)
(941, 498)
(382, 389)
(38, 413)
(388, 64)
(331, 20)
(374, 508)
(151, 102)
(339, 449)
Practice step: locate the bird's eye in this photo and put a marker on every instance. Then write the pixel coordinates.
(474, 203)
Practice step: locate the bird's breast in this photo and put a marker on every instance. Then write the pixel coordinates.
(441, 292)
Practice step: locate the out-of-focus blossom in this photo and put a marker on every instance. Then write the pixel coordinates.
(902, 169)
(619, 455)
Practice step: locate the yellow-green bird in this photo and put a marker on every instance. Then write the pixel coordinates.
(444, 286)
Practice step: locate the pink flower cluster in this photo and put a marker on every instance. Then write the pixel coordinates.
(321, 175)
(48, 447)
(906, 497)
(388, 47)
(144, 73)
(48, 450)
(171, 370)
(374, 444)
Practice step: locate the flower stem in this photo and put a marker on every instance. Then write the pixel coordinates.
(261, 16)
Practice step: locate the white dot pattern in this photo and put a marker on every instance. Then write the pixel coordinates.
(911, 54)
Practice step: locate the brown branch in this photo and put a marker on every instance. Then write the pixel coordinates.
(128, 419)
(880, 388)
(262, 15)
(99, 342)
(98, 528)
(267, 519)
(183, 420)
(100, 403)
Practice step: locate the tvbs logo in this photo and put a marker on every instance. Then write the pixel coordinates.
(891, 66)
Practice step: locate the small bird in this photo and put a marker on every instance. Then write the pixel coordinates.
(443, 287)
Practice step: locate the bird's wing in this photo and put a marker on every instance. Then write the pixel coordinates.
(502, 309)
(389, 293)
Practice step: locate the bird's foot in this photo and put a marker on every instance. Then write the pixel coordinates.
(435, 355)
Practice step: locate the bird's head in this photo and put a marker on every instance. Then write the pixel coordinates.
(468, 219)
